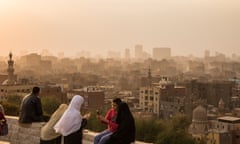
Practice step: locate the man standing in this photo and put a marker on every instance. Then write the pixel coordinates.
(31, 108)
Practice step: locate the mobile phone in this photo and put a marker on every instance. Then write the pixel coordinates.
(98, 113)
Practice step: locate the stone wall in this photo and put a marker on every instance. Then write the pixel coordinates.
(21, 135)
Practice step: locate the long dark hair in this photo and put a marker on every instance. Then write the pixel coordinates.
(126, 131)
(118, 101)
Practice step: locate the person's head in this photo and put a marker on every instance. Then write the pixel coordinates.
(115, 103)
(36, 90)
(76, 102)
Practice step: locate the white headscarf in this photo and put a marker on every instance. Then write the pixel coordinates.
(71, 119)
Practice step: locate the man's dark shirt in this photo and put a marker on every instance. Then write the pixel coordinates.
(31, 109)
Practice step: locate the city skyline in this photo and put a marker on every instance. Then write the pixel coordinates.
(187, 27)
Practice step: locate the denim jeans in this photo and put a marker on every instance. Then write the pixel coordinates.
(102, 137)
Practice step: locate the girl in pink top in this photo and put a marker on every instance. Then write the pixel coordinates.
(110, 120)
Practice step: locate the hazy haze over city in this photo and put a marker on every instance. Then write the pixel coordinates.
(186, 26)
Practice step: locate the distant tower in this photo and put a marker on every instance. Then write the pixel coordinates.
(149, 76)
(127, 54)
(10, 70)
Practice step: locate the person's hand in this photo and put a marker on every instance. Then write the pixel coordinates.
(101, 118)
(87, 116)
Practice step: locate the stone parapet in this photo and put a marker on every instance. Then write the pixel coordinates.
(21, 135)
(31, 135)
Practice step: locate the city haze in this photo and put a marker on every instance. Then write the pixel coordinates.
(186, 26)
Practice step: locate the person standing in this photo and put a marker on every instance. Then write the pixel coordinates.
(31, 108)
(110, 120)
(125, 134)
(71, 123)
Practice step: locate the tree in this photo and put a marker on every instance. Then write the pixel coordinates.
(176, 132)
(11, 106)
(49, 105)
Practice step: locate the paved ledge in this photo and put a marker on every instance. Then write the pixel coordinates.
(4, 142)
(21, 135)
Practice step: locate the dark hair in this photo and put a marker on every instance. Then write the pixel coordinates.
(35, 90)
(118, 101)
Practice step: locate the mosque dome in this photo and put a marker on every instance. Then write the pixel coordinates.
(200, 114)
(9, 82)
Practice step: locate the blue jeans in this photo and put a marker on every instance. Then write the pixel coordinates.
(102, 137)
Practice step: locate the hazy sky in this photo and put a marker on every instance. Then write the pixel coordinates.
(187, 26)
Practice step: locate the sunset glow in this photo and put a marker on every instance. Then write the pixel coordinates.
(186, 26)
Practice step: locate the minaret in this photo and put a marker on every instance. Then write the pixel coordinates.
(10, 70)
(149, 77)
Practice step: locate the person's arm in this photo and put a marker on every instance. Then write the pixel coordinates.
(84, 123)
(105, 119)
(113, 125)
(38, 110)
(39, 106)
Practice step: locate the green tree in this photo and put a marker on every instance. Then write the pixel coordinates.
(49, 105)
(175, 132)
(12, 104)
(94, 124)
(147, 129)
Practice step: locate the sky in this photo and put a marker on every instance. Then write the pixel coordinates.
(188, 27)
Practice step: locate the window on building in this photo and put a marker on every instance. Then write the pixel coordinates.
(151, 92)
(146, 91)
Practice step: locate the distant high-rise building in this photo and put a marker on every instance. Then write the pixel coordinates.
(138, 51)
(113, 54)
(207, 54)
(161, 53)
(127, 54)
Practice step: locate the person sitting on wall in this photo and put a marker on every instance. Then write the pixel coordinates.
(31, 109)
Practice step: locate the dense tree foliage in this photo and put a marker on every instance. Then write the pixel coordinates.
(94, 124)
(175, 131)
(49, 105)
(147, 130)
(11, 106)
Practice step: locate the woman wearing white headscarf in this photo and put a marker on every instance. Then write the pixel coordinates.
(71, 123)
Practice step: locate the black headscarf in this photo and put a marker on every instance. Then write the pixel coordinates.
(125, 133)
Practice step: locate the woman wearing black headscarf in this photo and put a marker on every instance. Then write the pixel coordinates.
(125, 133)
